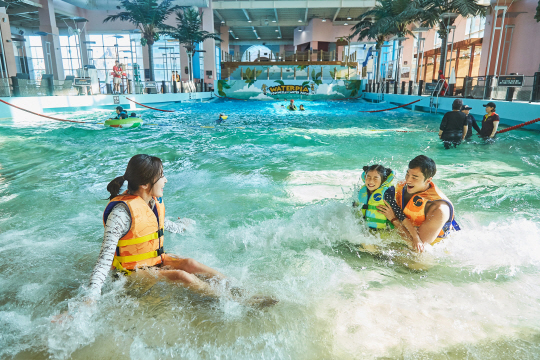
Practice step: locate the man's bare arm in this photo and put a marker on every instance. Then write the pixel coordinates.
(437, 214)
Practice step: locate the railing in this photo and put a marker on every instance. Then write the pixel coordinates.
(482, 87)
(308, 55)
(25, 87)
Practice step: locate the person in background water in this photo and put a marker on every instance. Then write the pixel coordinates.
(453, 127)
(120, 113)
(133, 115)
(490, 122)
(220, 119)
(291, 105)
(429, 214)
(117, 77)
(471, 122)
(302, 108)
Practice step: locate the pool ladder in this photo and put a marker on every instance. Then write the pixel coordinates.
(434, 99)
(380, 92)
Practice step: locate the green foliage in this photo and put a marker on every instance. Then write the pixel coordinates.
(316, 77)
(305, 83)
(223, 84)
(188, 29)
(354, 86)
(250, 75)
(302, 67)
(386, 19)
(537, 16)
(280, 82)
(147, 15)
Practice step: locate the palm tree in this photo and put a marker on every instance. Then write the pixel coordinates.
(148, 16)
(439, 12)
(188, 32)
(388, 18)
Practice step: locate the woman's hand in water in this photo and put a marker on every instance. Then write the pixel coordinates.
(386, 210)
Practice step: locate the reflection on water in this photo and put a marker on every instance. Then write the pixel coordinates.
(271, 195)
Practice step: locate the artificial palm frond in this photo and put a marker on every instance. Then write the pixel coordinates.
(148, 16)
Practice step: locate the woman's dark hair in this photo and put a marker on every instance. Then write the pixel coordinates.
(426, 165)
(383, 172)
(141, 170)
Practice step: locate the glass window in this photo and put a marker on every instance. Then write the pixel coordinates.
(71, 59)
(36, 62)
(166, 58)
(108, 48)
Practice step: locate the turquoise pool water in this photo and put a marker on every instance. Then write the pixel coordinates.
(271, 195)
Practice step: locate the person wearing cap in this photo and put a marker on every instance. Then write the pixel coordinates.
(453, 126)
(471, 122)
(490, 122)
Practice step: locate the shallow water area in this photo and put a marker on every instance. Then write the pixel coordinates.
(270, 191)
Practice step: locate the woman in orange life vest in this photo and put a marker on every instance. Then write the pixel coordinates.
(429, 213)
(134, 224)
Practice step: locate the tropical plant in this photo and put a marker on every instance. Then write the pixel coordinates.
(222, 85)
(316, 77)
(386, 19)
(251, 75)
(537, 15)
(148, 16)
(354, 86)
(437, 13)
(189, 33)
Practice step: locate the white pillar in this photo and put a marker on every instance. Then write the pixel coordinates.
(209, 45)
(47, 23)
(224, 35)
(9, 54)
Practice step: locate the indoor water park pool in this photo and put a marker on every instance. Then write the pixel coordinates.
(271, 193)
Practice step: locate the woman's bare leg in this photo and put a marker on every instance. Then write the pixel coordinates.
(190, 266)
(188, 280)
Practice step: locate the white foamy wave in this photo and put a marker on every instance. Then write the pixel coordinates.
(499, 244)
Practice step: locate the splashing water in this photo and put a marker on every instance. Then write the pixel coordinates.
(271, 194)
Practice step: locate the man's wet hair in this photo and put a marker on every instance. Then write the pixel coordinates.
(426, 165)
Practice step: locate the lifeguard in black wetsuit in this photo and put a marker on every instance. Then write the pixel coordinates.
(471, 122)
(453, 126)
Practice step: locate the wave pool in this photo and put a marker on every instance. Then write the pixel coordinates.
(271, 194)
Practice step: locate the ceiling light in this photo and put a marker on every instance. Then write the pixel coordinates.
(258, 38)
(230, 30)
(299, 29)
(323, 20)
(249, 21)
(299, 20)
(223, 21)
(277, 30)
(254, 30)
(349, 18)
(346, 24)
(274, 20)
(279, 37)
(236, 38)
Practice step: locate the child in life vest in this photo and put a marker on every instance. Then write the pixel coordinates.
(377, 188)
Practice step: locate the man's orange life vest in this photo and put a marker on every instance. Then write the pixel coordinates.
(143, 244)
(414, 210)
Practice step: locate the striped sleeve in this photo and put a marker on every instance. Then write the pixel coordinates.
(117, 225)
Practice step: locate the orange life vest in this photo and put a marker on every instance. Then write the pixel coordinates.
(414, 210)
(143, 244)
